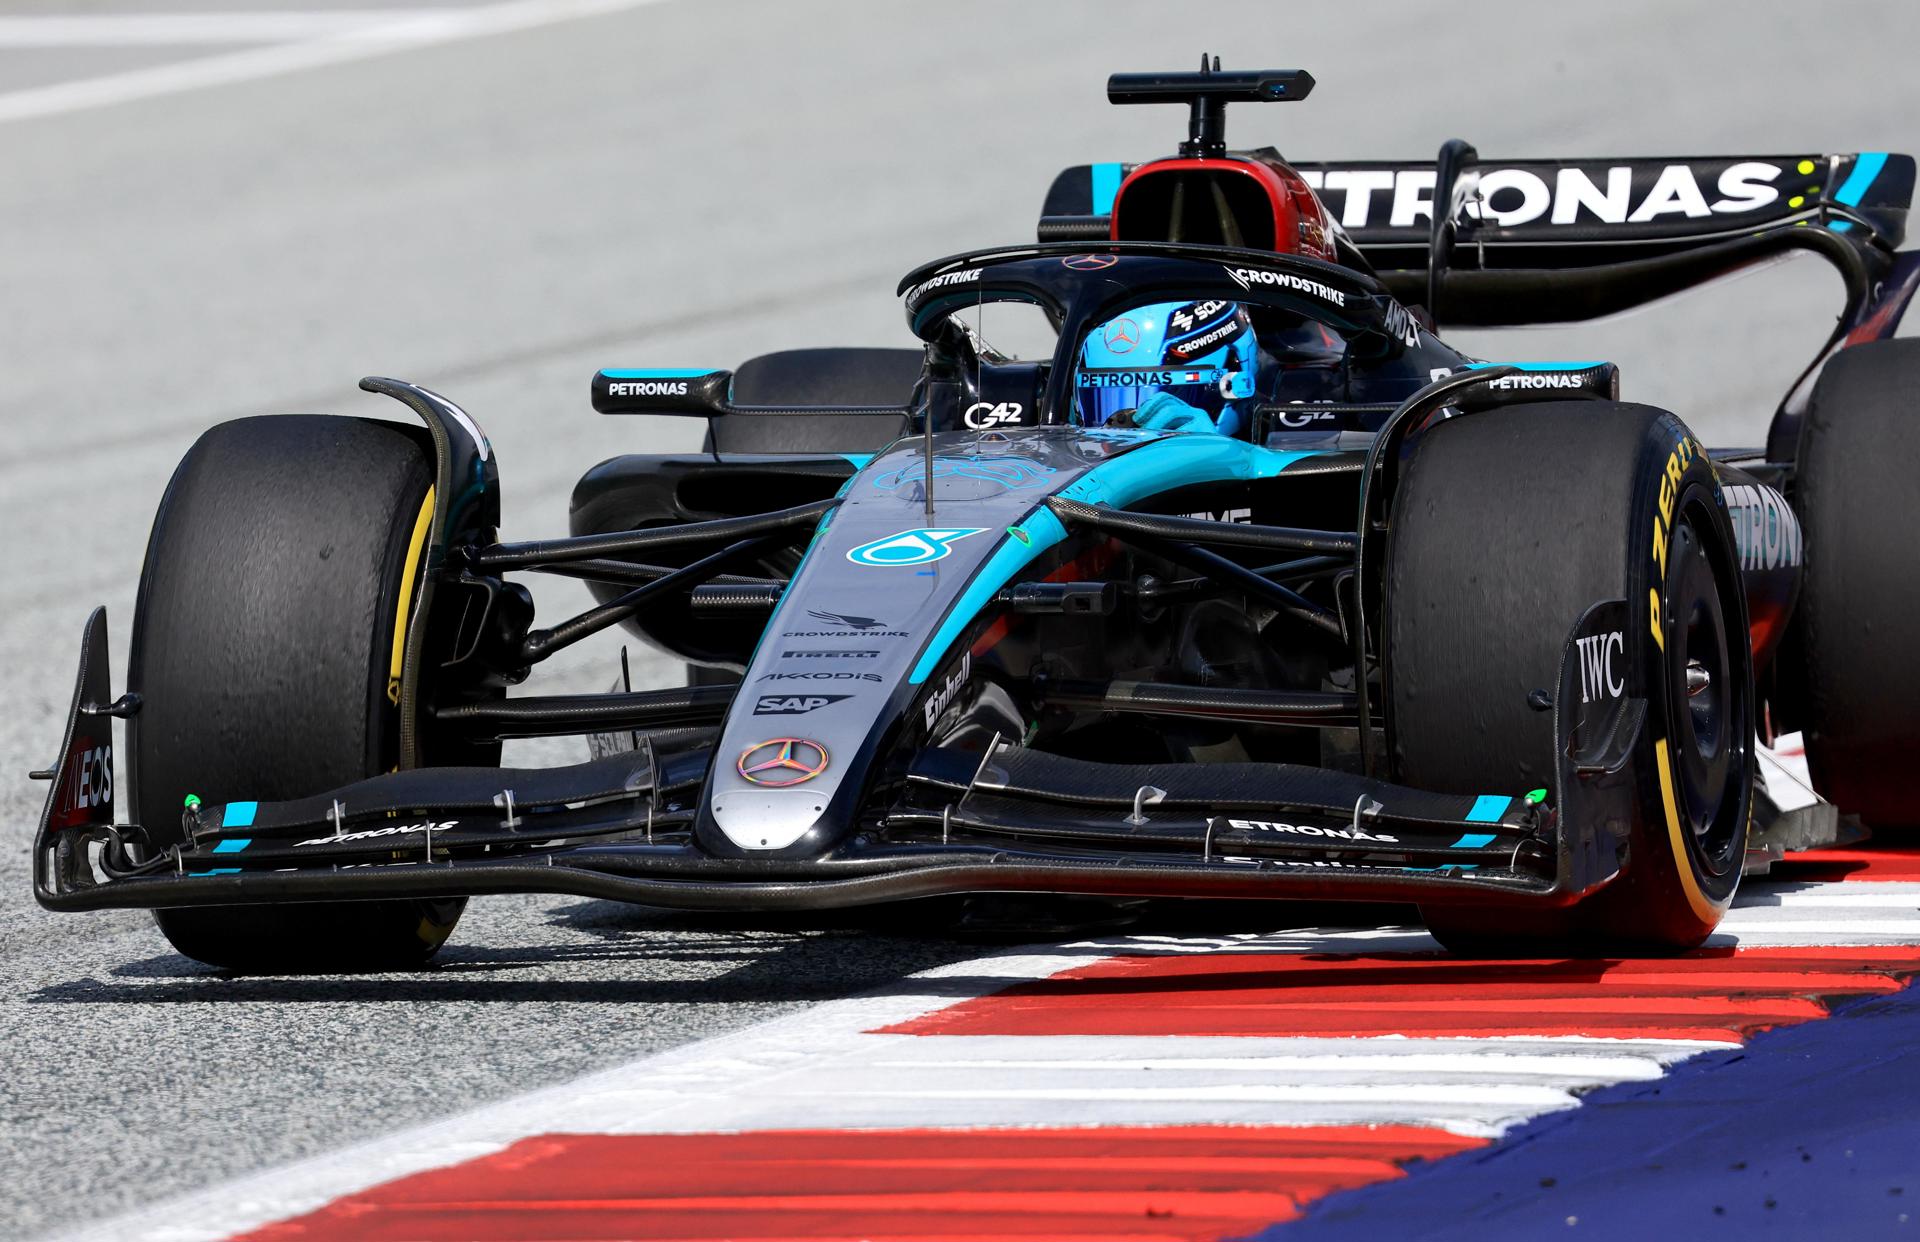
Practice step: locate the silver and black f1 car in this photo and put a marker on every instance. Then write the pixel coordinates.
(1420, 628)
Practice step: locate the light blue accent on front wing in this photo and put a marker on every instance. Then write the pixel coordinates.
(1044, 530)
(857, 460)
(1106, 184)
(1472, 841)
(1866, 166)
(1536, 366)
(233, 845)
(216, 871)
(655, 372)
(1487, 809)
(1159, 465)
(239, 815)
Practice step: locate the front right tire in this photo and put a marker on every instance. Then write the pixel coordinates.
(1509, 526)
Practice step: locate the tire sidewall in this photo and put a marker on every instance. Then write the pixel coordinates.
(313, 487)
(1664, 879)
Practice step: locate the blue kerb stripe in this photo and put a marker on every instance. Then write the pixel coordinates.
(654, 372)
(1106, 184)
(1487, 809)
(1866, 166)
(1536, 366)
(233, 845)
(239, 815)
(1473, 841)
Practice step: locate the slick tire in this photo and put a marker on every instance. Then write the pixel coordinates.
(844, 377)
(283, 556)
(1509, 526)
(1858, 624)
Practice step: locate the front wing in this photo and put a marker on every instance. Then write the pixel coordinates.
(1006, 820)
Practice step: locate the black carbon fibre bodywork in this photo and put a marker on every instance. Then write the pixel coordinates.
(956, 741)
(1008, 652)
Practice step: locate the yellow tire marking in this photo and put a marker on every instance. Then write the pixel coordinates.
(1704, 908)
(1653, 616)
(409, 576)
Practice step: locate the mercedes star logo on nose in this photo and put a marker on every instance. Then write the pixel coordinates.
(783, 761)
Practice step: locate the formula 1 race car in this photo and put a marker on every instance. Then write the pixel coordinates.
(1241, 583)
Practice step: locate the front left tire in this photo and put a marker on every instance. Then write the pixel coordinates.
(281, 567)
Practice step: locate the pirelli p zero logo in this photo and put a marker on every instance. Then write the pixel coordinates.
(1678, 460)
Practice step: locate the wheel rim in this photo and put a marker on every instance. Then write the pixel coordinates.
(1709, 713)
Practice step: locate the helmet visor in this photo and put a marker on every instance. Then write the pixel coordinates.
(1102, 392)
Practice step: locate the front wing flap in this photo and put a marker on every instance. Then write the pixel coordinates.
(619, 827)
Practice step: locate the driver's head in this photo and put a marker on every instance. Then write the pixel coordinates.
(1204, 353)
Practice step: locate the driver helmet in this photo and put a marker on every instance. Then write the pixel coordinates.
(1204, 353)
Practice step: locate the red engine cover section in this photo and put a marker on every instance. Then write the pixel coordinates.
(1207, 201)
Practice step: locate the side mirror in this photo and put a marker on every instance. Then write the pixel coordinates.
(658, 390)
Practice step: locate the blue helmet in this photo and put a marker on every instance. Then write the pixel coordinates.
(1204, 353)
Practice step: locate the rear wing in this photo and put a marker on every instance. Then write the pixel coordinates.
(1541, 241)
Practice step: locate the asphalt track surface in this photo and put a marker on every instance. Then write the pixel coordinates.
(671, 183)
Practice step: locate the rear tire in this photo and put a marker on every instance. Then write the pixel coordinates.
(1859, 615)
(1510, 525)
(843, 377)
(282, 556)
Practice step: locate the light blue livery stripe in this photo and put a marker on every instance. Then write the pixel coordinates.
(1176, 461)
(1472, 841)
(826, 520)
(1487, 809)
(1866, 166)
(1043, 530)
(1106, 184)
(1536, 366)
(239, 815)
(233, 845)
(655, 372)
(216, 871)
(1156, 466)
(857, 460)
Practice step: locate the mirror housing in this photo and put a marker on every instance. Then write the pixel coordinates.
(662, 390)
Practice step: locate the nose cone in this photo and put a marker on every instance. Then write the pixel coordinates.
(767, 819)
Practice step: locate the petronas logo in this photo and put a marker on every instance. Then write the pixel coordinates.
(911, 547)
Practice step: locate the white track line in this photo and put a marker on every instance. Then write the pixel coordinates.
(821, 1068)
(606, 1102)
(414, 29)
(198, 29)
